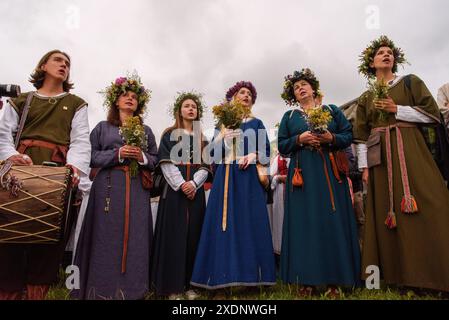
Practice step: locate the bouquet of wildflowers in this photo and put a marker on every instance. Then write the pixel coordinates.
(230, 115)
(379, 88)
(133, 134)
(318, 119)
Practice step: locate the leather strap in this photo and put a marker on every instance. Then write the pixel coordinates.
(23, 118)
(59, 151)
(127, 207)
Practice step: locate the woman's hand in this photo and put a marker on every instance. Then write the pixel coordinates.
(326, 137)
(245, 161)
(131, 152)
(365, 176)
(188, 189)
(230, 133)
(309, 138)
(387, 105)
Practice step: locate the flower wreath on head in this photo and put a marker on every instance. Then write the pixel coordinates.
(183, 96)
(367, 56)
(239, 85)
(305, 74)
(122, 85)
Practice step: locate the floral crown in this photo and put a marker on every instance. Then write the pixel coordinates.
(183, 96)
(306, 74)
(367, 56)
(239, 85)
(122, 85)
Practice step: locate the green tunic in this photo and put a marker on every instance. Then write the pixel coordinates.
(416, 253)
(49, 119)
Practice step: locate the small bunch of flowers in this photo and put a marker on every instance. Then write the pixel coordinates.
(122, 85)
(379, 89)
(230, 114)
(133, 134)
(318, 119)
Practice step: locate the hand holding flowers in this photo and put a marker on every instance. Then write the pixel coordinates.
(131, 152)
(387, 105)
(133, 134)
(382, 101)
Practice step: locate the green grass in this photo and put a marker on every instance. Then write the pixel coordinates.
(285, 292)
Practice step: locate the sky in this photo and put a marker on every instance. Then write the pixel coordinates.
(208, 45)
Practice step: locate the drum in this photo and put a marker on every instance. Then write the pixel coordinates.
(37, 212)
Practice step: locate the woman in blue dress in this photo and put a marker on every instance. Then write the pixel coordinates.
(235, 248)
(319, 244)
(113, 251)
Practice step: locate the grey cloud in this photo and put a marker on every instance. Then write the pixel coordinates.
(208, 45)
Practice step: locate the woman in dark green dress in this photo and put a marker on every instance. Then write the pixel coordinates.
(319, 245)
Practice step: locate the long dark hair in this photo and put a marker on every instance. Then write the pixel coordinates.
(37, 78)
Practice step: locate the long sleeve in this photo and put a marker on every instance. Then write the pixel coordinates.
(101, 158)
(362, 155)
(200, 177)
(263, 155)
(286, 143)
(343, 136)
(151, 154)
(172, 175)
(421, 98)
(8, 128)
(80, 149)
(218, 148)
(362, 127)
(408, 114)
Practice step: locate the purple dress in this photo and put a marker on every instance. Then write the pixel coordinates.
(108, 268)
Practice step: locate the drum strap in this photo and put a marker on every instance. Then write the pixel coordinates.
(23, 118)
(8, 164)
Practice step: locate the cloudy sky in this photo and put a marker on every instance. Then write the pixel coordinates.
(208, 45)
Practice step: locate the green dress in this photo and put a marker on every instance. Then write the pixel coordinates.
(416, 252)
(319, 239)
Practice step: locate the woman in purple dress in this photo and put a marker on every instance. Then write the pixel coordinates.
(113, 251)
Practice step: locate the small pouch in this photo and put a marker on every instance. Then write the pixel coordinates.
(147, 179)
(262, 172)
(342, 162)
(374, 147)
(297, 180)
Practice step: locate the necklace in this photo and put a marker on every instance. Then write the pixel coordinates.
(52, 101)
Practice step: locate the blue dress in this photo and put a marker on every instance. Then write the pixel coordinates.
(243, 254)
(319, 244)
(100, 251)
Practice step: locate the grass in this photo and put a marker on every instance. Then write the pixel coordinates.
(285, 292)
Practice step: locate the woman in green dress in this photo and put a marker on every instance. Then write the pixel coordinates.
(319, 244)
(407, 211)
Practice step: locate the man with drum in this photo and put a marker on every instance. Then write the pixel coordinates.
(56, 130)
